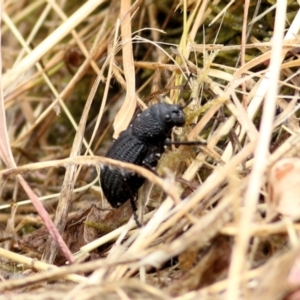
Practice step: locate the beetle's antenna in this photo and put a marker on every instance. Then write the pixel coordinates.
(185, 143)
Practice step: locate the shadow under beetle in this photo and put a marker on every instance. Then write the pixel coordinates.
(142, 144)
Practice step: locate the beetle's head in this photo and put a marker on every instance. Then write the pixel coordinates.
(156, 122)
(170, 114)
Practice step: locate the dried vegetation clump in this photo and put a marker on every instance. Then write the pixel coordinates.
(221, 219)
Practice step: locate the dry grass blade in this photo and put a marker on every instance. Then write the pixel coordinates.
(221, 220)
(129, 103)
(261, 155)
(69, 180)
(7, 157)
(48, 43)
(38, 265)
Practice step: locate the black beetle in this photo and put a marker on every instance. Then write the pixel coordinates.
(142, 143)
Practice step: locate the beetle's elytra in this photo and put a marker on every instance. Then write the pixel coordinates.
(142, 143)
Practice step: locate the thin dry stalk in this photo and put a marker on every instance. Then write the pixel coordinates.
(73, 81)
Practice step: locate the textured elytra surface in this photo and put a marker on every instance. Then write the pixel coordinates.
(142, 143)
(118, 185)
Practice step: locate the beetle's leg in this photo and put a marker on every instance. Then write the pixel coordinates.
(150, 162)
(133, 206)
(134, 210)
